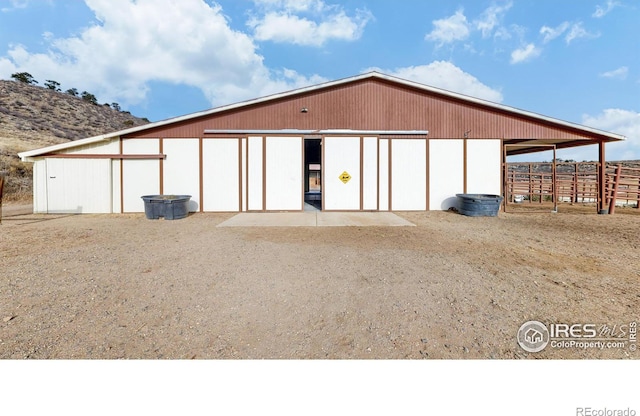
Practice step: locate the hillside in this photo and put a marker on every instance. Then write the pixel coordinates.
(32, 117)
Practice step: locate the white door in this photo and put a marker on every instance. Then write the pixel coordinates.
(283, 174)
(79, 185)
(409, 174)
(220, 175)
(341, 173)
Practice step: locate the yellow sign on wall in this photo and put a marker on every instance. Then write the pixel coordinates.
(344, 177)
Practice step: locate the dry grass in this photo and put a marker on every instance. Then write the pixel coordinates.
(32, 117)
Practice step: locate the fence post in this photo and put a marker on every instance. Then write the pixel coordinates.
(574, 198)
(614, 192)
(530, 185)
(638, 195)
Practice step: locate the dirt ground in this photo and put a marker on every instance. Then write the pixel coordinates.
(453, 287)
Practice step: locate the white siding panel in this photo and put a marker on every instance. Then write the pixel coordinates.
(341, 154)
(446, 172)
(139, 177)
(243, 175)
(103, 147)
(254, 174)
(484, 166)
(383, 172)
(220, 175)
(284, 173)
(116, 205)
(370, 173)
(78, 185)
(40, 186)
(408, 175)
(181, 169)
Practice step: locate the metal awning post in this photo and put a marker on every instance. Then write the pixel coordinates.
(553, 180)
(602, 179)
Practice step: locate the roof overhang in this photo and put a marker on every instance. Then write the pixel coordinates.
(524, 146)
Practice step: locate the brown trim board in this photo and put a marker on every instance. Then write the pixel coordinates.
(427, 173)
(161, 167)
(104, 156)
(361, 173)
(121, 147)
(264, 173)
(201, 172)
(390, 167)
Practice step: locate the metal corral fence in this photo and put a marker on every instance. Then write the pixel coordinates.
(623, 186)
(570, 182)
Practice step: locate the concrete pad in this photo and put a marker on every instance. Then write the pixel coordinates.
(315, 219)
(361, 219)
(271, 219)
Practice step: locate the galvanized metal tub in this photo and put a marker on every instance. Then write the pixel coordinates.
(170, 207)
(479, 205)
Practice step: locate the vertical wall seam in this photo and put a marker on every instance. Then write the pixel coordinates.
(246, 174)
(390, 168)
(323, 195)
(201, 171)
(361, 172)
(264, 173)
(428, 175)
(302, 151)
(378, 174)
(161, 167)
(239, 174)
(121, 177)
(464, 166)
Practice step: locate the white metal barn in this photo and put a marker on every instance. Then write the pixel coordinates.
(366, 143)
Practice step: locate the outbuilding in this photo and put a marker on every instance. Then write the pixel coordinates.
(371, 142)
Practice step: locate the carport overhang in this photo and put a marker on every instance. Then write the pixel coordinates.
(512, 147)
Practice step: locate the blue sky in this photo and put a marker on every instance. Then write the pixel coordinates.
(576, 60)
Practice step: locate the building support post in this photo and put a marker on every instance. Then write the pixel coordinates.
(602, 179)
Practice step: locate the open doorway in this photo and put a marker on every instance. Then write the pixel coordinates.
(312, 174)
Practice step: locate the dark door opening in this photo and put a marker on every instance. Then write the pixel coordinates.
(313, 174)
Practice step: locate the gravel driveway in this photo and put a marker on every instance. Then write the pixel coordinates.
(122, 286)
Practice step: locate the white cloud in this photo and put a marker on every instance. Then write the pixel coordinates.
(287, 28)
(135, 43)
(619, 121)
(15, 4)
(620, 73)
(550, 33)
(491, 18)
(573, 31)
(601, 11)
(525, 53)
(451, 29)
(280, 21)
(577, 31)
(445, 75)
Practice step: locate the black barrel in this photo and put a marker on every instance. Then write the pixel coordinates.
(170, 207)
(479, 205)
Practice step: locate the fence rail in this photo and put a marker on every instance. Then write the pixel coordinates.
(570, 182)
(622, 186)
